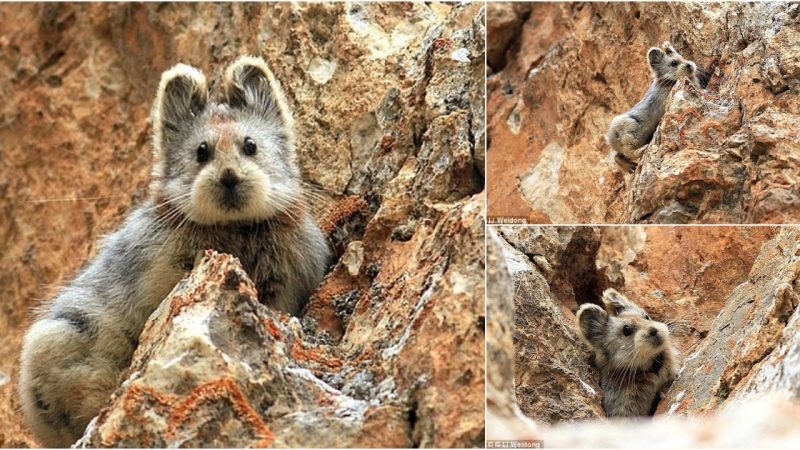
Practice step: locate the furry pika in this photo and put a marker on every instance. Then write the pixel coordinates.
(634, 354)
(225, 177)
(629, 132)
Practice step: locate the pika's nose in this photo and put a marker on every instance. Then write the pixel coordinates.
(653, 331)
(229, 179)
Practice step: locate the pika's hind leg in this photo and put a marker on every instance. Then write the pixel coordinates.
(61, 385)
(624, 136)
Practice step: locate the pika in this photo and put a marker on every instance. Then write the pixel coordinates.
(225, 177)
(634, 354)
(629, 132)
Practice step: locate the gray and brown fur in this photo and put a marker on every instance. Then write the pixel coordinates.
(243, 195)
(629, 132)
(634, 354)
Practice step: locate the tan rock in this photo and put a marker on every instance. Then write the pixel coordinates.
(754, 322)
(216, 368)
(504, 419)
(552, 377)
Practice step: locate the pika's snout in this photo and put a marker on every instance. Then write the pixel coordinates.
(654, 337)
(229, 179)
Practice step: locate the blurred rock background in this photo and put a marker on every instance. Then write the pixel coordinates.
(732, 294)
(559, 72)
(388, 102)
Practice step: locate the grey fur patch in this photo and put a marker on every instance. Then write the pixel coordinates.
(77, 319)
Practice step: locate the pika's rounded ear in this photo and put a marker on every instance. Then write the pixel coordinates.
(654, 56)
(668, 48)
(616, 302)
(249, 84)
(592, 321)
(182, 95)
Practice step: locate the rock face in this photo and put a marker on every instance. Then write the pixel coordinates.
(503, 416)
(216, 368)
(680, 275)
(552, 376)
(726, 154)
(739, 374)
(752, 341)
(388, 104)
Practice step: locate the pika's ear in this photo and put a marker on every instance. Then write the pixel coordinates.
(654, 56)
(668, 48)
(182, 95)
(616, 302)
(592, 322)
(249, 84)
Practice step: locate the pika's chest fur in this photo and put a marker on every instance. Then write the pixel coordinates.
(257, 247)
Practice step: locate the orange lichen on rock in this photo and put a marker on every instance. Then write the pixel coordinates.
(314, 354)
(220, 389)
(342, 211)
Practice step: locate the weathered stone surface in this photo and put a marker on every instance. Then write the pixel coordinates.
(505, 20)
(552, 376)
(780, 371)
(216, 368)
(388, 103)
(503, 416)
(565, 256)
(680, 275)
(728, 154)
(754, 323)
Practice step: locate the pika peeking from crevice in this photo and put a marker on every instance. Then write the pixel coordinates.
(634, 354)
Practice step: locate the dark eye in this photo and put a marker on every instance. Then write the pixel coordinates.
(249, 146)
(674, 64)
(202, 153)
(627, 330)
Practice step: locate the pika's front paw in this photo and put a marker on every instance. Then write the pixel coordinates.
(624, 163)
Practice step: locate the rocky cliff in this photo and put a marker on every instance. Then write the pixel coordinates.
(388, 103)
(726, 154)
(732, 294)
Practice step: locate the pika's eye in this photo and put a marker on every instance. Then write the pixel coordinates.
(627, 330)
(674, 64)
(203, 153)
(249, 146)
